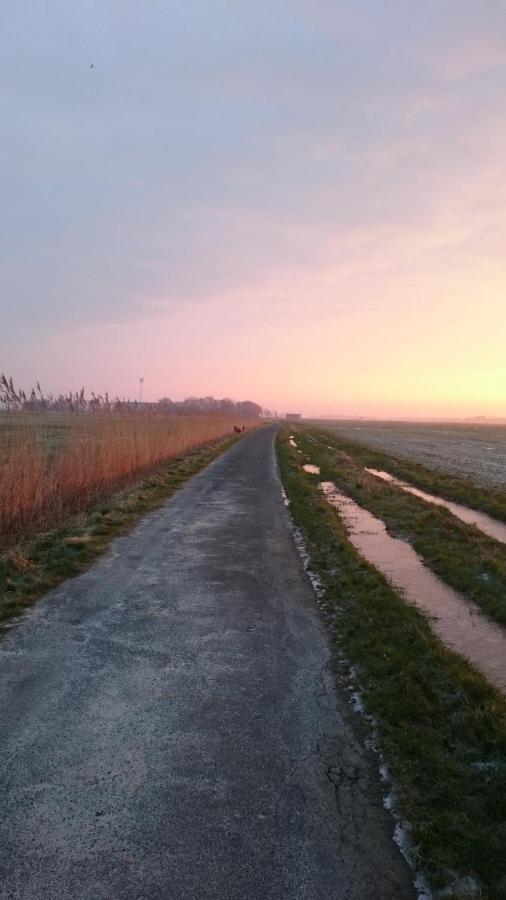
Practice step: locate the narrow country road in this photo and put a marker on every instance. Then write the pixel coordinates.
(168, 719)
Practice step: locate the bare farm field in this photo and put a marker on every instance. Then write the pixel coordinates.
(473, 450)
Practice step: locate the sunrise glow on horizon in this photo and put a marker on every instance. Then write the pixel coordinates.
(300, 204)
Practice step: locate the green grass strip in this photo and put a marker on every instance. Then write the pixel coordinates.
(33, 567)
(442, 727)
(435, 481)
(468, 560)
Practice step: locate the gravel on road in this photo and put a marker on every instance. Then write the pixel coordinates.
(170, 725)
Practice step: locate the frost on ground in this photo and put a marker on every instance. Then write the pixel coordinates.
(471, 449)
(285, 498)
(401, 834)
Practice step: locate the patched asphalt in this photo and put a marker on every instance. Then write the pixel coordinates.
(170, 725)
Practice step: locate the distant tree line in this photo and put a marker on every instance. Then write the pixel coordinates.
(211, 406)
(35, 400)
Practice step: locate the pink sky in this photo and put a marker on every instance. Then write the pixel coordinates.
(303, 206)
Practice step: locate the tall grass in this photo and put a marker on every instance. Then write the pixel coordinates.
(55, 464)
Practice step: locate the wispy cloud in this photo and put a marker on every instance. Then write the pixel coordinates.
(249, 176)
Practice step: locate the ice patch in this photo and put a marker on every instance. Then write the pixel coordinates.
(356, 702)
(306, 562)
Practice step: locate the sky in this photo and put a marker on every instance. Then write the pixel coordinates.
(299, 203)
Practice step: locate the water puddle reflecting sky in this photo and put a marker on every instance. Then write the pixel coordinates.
(492, 527)
(459, 623)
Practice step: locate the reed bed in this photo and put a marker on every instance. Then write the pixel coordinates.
(56, 464)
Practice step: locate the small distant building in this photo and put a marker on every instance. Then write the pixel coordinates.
(293, 416)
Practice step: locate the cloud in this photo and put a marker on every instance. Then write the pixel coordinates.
(235, 160)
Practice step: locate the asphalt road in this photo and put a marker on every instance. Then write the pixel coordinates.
(169, 720)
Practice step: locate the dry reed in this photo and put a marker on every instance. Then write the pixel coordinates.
(56, 464)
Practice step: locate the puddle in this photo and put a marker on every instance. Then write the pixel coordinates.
(312, 470)
(458, 622)
(492, 527)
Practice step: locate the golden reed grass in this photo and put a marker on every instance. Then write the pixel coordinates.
(56, 464)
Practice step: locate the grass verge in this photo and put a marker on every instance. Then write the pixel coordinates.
(464, 557)
(33, 567)
(435, 481)
(442, 727)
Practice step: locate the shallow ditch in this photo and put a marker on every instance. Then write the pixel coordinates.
(485, 523)
(458, 622)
